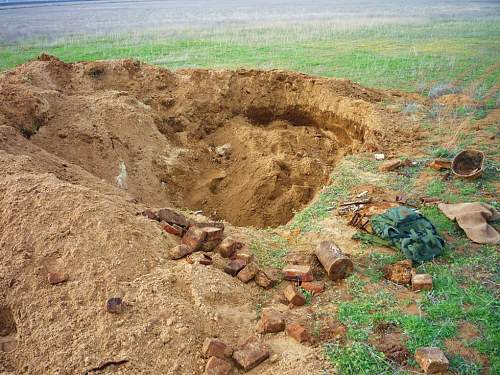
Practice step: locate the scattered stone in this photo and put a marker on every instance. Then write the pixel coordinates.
(379, 156)
(399, 272)
(224, 150)
(234, 266)
(114, 305)
(179, 251)
(208, 246)
(431, 360)
(252, 353)
(248, 272)
(390, 165)
(274, 358)
(173, 217)
(57, 277)
(298, 332)
(213, 233)
(173, 229)
(336, 264)
(228, 247)
(206, 260)
(245, 255)
(217, 366)
(440, 164)
(315, 287)
(421, 282)
(297, 272)
(264, 280)
(271, 321)
(150, 214)
(194, 238)
(294, 296)
(213, 347)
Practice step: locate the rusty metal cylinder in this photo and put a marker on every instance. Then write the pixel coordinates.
(337, 265)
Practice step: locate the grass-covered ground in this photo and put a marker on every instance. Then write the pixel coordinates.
(411, 57)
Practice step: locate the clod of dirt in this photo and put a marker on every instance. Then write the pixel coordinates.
(250, 147)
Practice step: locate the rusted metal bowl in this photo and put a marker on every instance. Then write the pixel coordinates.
(468, 164)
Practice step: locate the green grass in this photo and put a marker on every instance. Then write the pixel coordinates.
(410, 57)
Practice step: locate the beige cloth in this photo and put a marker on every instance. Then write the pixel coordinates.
(473, 219)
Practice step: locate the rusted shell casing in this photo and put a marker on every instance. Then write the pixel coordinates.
(337, 265)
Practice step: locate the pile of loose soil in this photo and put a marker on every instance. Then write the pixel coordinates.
(84, 147)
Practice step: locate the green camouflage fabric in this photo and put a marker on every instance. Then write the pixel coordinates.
(410, 232)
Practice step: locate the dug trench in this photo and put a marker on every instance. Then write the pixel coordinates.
(249, 147)
(86, 146)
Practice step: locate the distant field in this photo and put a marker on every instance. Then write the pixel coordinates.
(409, 45)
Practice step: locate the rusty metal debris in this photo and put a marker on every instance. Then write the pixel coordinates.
(359, 221)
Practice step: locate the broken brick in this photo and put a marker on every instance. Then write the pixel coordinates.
(315, 287)
(271, 321)
(294, 296)
(173, 217)
(57, 277)
(206, 260)
(228, 247)
(390, 165)
(179, 251)
(172, 229)
(213, 347)
(297, 272)
(421, 282)
(431, 360)
(298, 332)
(248, 272)
(194, 238)
(208, 246)
(234, 266)
(298, 258)
(244, 254)
(114, 305)
(252, 353)
(213, 233)
(264, 280)
(218, 366)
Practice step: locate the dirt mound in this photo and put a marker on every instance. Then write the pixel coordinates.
(250, 147)
(85, 147)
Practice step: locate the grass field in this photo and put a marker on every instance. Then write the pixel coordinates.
(410, 57)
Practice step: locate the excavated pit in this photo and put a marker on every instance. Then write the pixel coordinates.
(249, 147)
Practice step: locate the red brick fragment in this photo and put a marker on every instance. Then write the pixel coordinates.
(251, 354)
(298, 332)
(172, 229)
(213, 347)
(271, 321)
(194, 238)
(213, 233)
(208, 246)
(234, 266)
(421, 282)
(57, 277)
(244, 254)
(297, 272)
(218, 366)
(264, 280)
(431, 360)
(315, 287)
(294, 296)
(206, 260)
(173, 217)
(248, 272)
(228, 247)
